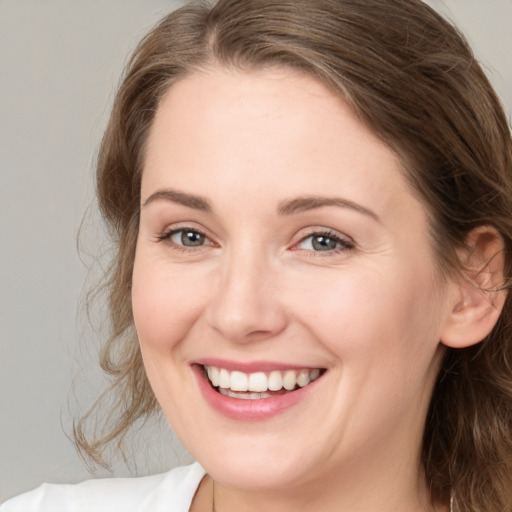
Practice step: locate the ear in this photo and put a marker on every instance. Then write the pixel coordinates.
(479, 295)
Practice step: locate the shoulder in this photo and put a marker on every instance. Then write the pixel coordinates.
(172, 492)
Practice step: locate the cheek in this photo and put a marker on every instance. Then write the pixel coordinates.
(165, 304)
(367, 315)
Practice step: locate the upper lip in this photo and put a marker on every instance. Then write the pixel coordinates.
(252, 366)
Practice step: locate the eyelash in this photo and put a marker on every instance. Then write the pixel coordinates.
(344, 244)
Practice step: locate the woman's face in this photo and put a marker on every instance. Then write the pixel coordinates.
(278, 244)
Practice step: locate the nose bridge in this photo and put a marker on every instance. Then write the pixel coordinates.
(246, 305)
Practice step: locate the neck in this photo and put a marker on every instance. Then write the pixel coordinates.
(334, 493)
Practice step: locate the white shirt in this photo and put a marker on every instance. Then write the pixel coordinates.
(168, 492)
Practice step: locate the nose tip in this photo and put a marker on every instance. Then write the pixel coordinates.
(246, 306)
(247, 325)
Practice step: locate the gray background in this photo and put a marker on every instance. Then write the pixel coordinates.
(59, 64)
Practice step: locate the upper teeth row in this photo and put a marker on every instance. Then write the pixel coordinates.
(260, 381)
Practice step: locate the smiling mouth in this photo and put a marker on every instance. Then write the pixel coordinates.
(258, 385)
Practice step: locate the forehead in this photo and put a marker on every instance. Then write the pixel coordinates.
(255, 130)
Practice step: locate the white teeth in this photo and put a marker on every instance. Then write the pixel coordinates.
(303, 378)
(224, 378)
(255, 385)
(213, 375)
(239, 381)
(275, 381)
(289, 380)
(314, 374)
(257, 382)
(243, 396)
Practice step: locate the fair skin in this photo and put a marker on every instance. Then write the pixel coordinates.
(235, 263)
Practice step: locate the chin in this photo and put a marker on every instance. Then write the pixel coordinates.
(267, 474)
(258, 462)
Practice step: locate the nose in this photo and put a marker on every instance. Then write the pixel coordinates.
(246, 304)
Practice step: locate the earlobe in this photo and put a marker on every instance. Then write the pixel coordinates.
(479, 294)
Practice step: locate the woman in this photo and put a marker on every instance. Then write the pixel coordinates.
(312, 206)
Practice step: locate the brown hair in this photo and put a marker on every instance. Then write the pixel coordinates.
(413, 80)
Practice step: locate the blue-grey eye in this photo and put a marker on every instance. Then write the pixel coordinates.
(188, 238)
(324, 243)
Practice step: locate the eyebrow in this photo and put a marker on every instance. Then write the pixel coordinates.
(306, 203)
(287, 207)
(175, 196)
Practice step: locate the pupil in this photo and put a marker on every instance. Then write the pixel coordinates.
(191, 238)
(323, 243)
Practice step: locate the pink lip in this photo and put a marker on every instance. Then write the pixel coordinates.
(249, 410)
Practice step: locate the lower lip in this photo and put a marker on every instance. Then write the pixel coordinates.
(249, 410)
